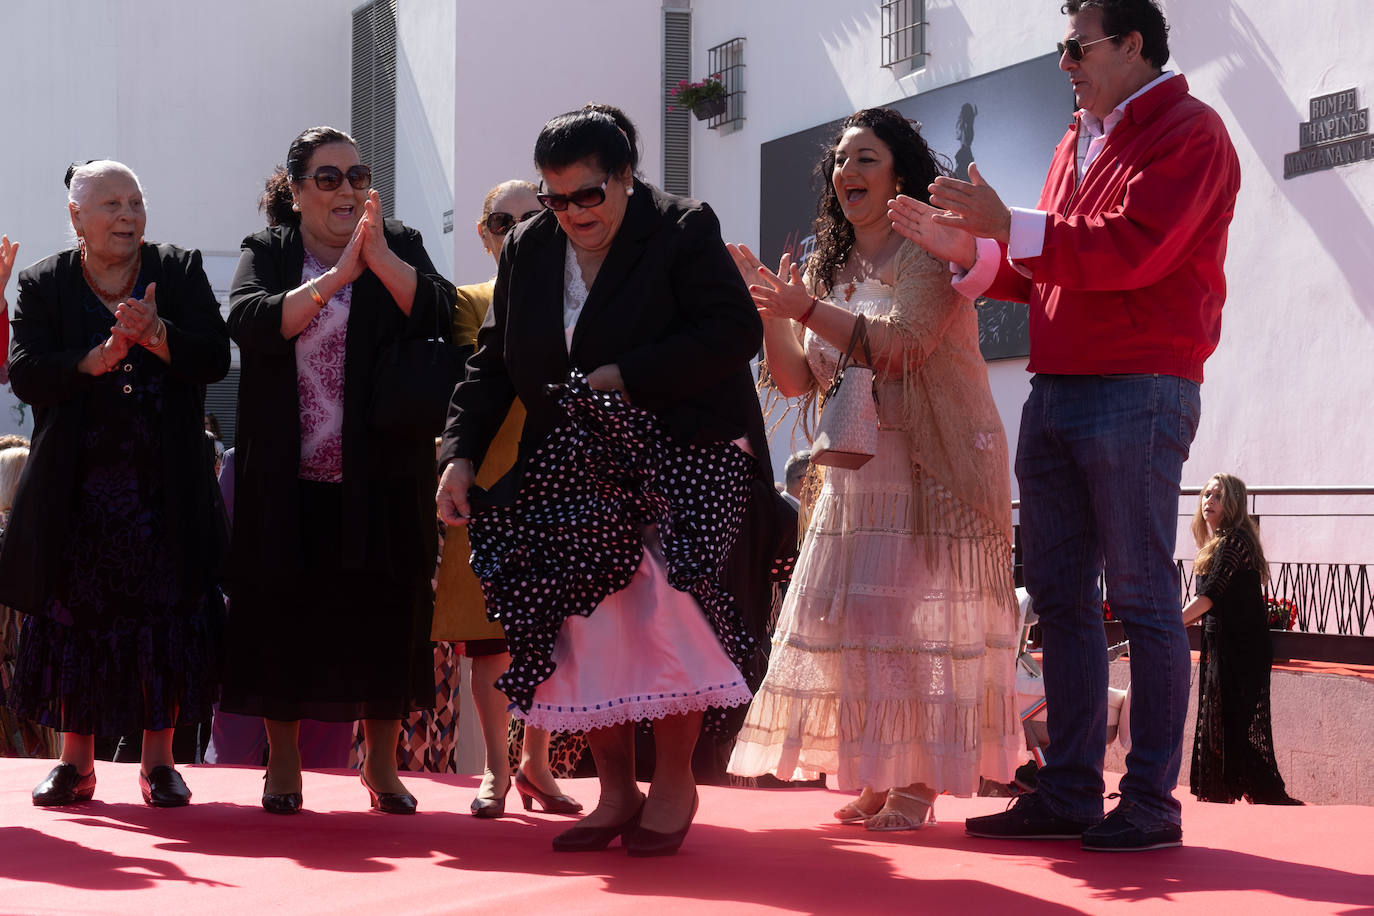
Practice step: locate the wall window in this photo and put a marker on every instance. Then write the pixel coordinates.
(727, 59)
(904, 33)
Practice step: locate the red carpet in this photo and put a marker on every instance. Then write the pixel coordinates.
(751, 851)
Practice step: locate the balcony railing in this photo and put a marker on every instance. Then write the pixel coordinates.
(1334, 601)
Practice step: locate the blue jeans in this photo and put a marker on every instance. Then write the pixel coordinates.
(1099, 463)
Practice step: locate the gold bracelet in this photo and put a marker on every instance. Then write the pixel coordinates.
(157, 338)
(314, 292)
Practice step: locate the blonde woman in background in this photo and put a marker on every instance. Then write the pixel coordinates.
(459, 610)
(1233, 747)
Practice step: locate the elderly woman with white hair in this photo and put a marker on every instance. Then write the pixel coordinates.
(113, 547)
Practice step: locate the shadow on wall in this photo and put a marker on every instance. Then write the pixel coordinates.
(1268, 118)
(858, 38)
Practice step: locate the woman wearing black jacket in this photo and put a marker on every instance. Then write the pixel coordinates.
(634, 290)
(334, 536)
(115, 542)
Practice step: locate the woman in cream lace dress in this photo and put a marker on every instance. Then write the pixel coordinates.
(892, 662)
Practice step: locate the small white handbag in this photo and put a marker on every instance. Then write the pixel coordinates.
(847, 434)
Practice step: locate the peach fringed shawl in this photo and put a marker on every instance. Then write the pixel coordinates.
(933, 385)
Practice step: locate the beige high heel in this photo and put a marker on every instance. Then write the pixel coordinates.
(902, 811)
(852, 813)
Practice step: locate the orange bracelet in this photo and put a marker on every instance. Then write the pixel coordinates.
(809, 312)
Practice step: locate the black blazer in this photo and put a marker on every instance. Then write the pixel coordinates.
(668, 306)
(48, 343)
(382, 472)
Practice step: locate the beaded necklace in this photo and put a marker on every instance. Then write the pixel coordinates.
(104, 294)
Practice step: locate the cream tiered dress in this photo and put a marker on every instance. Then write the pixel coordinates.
(892, 661)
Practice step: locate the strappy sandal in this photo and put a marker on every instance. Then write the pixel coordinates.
(851, 813)
(911, 812)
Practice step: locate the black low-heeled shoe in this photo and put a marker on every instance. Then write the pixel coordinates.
(64, 786)
(641, 842)
(551, 804)
(594, 839)
(280, 802)
(389, 802)
(163, 787)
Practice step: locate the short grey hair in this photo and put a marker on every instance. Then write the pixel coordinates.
(85, 177)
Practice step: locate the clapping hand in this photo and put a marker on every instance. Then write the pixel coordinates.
(916, 220)
(8, 252)
(352, 262)
(972, 206)
(785, 294)
(136, 319)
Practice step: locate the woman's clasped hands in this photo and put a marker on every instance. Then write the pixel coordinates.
(367, 248)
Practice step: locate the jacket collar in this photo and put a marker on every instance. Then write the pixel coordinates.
(626, 250)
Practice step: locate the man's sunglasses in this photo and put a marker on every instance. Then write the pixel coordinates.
(499, 223)
(328, 177)
(585, 198)
(1074, 48)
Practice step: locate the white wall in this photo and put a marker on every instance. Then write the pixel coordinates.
(519, 64)
(425, 65)
(200, 99)
(1287, 396)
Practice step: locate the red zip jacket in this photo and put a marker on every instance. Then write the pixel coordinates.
(1130, 278)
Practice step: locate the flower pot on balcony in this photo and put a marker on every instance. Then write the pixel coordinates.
(711, 108)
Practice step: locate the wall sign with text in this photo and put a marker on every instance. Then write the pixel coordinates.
(1337, 133)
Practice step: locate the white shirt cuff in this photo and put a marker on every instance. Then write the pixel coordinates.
(1027, 238)
(975, 281)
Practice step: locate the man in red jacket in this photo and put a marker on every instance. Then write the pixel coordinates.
(1121, 264)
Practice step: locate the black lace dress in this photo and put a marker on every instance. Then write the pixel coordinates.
(1233, 749)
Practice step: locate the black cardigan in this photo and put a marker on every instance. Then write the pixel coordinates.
(381, 472)
(48, 343)
(668, 306)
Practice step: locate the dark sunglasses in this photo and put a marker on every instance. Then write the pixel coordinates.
(585, 198)
(499, 223)
(328, 177)
(1074, 48)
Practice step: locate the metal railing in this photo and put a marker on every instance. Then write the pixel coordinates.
(1334, 602)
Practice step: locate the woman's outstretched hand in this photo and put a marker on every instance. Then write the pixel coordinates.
(782, 294)
(918, 221)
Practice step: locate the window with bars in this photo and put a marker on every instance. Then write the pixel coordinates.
(727, 59)
(677, 130)
(904, 32)
(374, 94)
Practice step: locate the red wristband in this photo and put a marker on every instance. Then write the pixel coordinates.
(809, 312)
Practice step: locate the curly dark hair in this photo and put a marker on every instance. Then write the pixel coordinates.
(914, 162)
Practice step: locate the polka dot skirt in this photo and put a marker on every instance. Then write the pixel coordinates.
(575, 533)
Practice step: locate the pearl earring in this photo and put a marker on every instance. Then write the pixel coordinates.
(629, 190)
(295, 206)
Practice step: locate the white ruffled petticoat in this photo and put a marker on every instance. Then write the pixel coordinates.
(646, 652)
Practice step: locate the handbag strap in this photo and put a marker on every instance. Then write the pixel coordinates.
(860, 336)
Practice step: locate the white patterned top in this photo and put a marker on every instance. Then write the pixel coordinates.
(320, 382)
